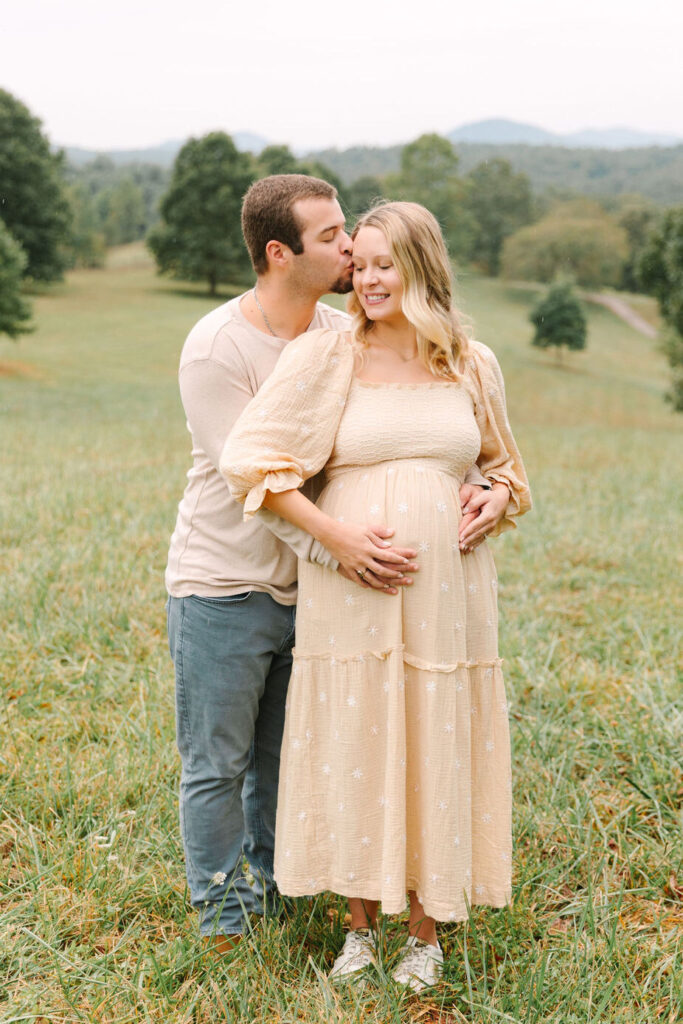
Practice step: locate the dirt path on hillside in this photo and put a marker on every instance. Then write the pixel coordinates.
(623, 311)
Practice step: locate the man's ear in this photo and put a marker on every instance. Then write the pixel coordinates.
(277, 253)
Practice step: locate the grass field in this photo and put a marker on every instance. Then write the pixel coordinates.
(94, 921)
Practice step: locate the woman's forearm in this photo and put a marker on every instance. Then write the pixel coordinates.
(296, 508)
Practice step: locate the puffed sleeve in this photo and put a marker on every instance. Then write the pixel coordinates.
(499, 459)
(287, 432)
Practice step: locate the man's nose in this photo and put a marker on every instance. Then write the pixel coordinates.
(346, 243)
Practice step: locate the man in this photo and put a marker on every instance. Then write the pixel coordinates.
(231, 584)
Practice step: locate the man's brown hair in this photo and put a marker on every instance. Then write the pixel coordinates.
(268, 213)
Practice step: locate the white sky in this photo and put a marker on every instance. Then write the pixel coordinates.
(137, 72)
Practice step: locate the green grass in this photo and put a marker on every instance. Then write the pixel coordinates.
(94, 920)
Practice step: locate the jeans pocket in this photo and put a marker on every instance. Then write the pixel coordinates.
(225, 599)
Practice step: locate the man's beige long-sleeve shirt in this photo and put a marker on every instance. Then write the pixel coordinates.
(213, 552)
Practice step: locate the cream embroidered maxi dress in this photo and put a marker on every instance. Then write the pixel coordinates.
(395, 770)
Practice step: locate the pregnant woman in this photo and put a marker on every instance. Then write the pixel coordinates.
(395, 771)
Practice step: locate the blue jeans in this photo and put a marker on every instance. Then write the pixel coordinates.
(232, 658)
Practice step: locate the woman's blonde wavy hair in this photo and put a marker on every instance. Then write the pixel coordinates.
(418, 251)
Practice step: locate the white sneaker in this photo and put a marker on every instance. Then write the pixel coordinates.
(357, 952)
(420, 965)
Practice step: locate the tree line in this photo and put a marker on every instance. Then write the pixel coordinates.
(53, 216)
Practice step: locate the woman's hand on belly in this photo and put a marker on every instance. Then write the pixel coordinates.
(366, 556)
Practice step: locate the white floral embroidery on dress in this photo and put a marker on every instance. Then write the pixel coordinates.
(301, 385)
(430, 685)
(444, 587)
(423, 625)
(433, 878)
(449, 727)
(489, 745)
(309, 735)
(365, 841)
(486, 819)
(309, 602)
(488, 674)
(332, 641)
(373, 630)
(385, 686)
(351, 701)
(387, 879)
(296, 743)
(332, 837)
(357, 774)
(494, 584)
(473, 588)
(351, 875)
(456, 841)
(402, 508)
(322, 697)
(479, 889)
(374, 510)
(365, 477)
(348, 599)
(326, 769)
(374, 730)
(424, 546)
(288, 853)
(340, 485)
(442, 805)
(302, 815)
(441, 506)
(340, 519)
(334, 361)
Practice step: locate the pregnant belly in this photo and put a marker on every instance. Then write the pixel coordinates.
(419, 501)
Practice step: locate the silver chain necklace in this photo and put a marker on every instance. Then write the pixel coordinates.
(263, 314)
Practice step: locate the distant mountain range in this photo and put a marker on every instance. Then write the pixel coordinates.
(164, 154)
(501, 132)
(496, 131)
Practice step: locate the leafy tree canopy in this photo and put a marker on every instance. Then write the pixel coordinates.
(661, 267)
(200, 237)
(499, 202)
(661, 273)
(33, 203)
(429, 175)
(14, 310)
(559, 319)
(578, 239)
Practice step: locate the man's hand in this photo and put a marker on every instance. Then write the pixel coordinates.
(386, 574)
(481, 513)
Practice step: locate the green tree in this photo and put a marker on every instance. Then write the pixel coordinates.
(559, 320)
(363, 193)
(33, 203)
(199, 237)
(14, 310)
(638, 217)
(661, 273)
(429, 175)
(125, 220)
(577, 238)
(499, 202)
(277, 160)
(87, 241)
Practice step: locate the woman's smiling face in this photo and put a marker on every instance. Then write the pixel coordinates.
(375, 279)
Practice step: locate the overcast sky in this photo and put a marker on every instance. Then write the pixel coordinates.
(136, 73)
